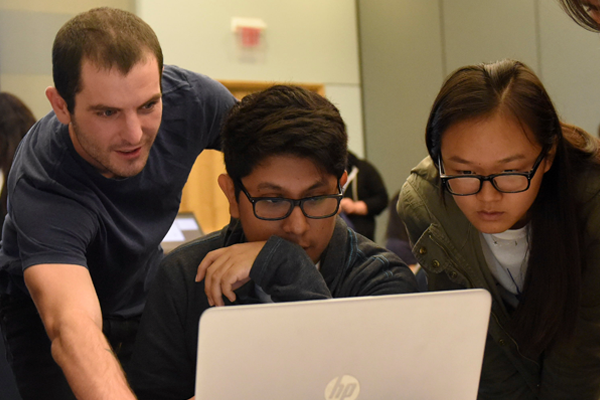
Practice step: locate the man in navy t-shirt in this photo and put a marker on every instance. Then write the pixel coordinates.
(94, 187)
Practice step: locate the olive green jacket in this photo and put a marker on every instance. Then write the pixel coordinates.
(449, 248)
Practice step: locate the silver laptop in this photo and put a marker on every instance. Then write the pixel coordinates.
(413, 346)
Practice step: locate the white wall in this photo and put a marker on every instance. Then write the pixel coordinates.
(409, 46)
(402, 70)
(27, 30)
(311, 41)
(570, 67)
(483, 31)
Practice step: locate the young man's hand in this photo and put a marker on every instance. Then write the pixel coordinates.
(225, 270)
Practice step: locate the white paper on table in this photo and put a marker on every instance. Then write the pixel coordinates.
(186, 224)
(174, 234)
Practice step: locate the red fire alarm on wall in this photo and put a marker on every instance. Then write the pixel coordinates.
(248, 29)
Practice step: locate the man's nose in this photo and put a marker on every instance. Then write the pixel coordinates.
(296, 222)
(132, 131)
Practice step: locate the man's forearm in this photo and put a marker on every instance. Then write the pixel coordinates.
(90, 366)
(66, 299)
(284, 271)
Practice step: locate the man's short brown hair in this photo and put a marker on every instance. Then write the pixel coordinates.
(108, 38)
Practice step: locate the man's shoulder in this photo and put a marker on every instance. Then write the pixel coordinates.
(44, 135)
(175, 78)
(42, 152)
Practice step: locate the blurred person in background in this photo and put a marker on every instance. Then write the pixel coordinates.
(365, 196)
(15, 120)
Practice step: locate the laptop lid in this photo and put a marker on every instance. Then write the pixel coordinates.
(411, 346)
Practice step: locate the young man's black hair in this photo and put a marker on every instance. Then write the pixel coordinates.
(286, 120)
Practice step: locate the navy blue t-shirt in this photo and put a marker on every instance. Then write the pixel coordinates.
(62, 210)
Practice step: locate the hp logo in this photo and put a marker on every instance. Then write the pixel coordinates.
(342, 388)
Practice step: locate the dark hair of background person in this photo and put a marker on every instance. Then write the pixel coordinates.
(284, 120)
(15, 120)
(106, 37)
(577, 10)
(547, 311)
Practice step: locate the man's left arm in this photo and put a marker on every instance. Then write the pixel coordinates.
(281, 268)
(284, 271)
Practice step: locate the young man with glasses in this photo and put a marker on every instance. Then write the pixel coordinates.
(285, 154)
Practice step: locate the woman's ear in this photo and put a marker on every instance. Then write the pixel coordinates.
(228, 188)
(59, 105)
(549, 158)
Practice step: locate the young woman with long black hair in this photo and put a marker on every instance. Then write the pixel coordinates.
(509, 200)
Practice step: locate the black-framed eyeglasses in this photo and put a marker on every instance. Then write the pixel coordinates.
(276, 208)
(506, 182)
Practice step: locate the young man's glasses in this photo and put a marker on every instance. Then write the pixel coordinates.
(276, 208)
(507, 182)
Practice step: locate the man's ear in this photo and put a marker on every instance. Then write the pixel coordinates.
(344, 178)
(228, 188)
(59, 105)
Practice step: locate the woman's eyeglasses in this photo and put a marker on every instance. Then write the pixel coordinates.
(506, 182)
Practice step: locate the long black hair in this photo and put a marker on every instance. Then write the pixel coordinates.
(547, 312)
